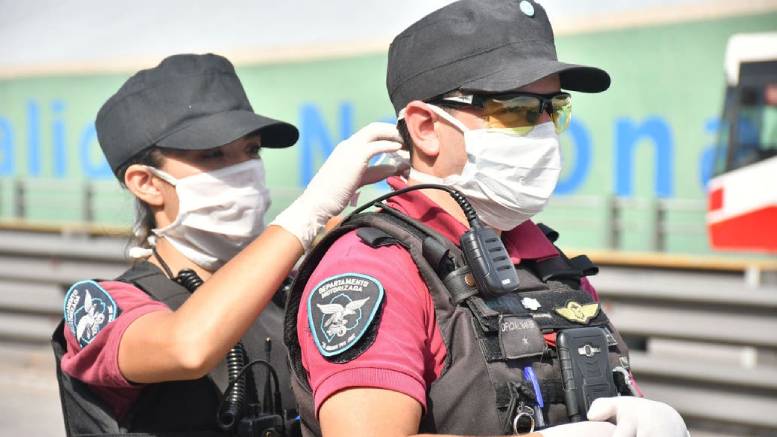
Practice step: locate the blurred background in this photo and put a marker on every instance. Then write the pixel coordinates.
(670, 179)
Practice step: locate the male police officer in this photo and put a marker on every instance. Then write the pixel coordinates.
(386, 335)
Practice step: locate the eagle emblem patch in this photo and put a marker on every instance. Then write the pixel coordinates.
(574, 312)
(88, 309)
(341, 309)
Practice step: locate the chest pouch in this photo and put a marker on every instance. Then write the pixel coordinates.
(585, 369)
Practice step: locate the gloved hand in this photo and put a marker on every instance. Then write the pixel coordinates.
(342, 174)
(580, 429)
(639, 417)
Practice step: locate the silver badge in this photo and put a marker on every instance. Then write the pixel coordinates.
(531, 303)
(588, 350)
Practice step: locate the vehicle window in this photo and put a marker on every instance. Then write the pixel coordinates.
(756, 137)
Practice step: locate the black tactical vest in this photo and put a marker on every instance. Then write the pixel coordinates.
(177, 408)
(481, 387)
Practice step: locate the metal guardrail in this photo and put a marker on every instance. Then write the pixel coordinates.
(87, 199)
(702, 342)
(35, 271)
(658, 226)
(20, 189)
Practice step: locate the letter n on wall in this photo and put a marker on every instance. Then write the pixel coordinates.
(315, 140)
(629, 135)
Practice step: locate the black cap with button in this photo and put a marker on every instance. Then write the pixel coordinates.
(187, 102)
(480, 46)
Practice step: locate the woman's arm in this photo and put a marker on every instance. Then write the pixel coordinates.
(188, 342)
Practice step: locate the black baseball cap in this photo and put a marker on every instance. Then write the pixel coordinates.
(187, 102)
(480, 46)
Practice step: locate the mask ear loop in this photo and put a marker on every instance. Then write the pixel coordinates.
(138, 252)
(425, 178)
(448, 117)
(161, 174)
(441, 112)
(164, 265)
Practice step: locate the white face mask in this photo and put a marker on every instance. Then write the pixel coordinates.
(509, 176)
(219, 212)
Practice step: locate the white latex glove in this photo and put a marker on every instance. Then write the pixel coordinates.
(580, 429)
(337, 180)
(639, 417)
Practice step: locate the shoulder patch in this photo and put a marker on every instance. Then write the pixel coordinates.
(88, 309)
(341, 308)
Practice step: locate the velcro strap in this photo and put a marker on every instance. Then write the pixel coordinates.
(584, 265)
(456, 284)
(555, 268)
(552, 393)
(551, 389)
(491, 348)
(437, 255)
(487, 318)
(515, 391)
(375, 237)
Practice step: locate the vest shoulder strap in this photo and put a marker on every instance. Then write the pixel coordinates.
(561, 268)
(151, 280)
(434, 255)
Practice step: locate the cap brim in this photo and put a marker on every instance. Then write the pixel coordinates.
(224, 127)
(510, 77)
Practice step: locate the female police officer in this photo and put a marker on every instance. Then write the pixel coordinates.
(133, 354)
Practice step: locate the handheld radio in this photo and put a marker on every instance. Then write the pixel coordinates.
(484, 251)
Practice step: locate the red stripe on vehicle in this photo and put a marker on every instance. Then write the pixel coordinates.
(715, 199)
(756, 230)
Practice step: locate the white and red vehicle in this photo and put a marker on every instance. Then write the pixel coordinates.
(742, 212)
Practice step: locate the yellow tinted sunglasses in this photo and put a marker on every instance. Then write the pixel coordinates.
(516, 110)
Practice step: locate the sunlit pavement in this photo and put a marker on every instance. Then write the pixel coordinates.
(29, 397)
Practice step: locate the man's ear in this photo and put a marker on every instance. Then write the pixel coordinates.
(419, 120)
(143, 185)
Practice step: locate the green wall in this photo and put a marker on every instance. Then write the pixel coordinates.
(649, 136)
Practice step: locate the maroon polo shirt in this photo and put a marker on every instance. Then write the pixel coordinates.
(408, 352)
